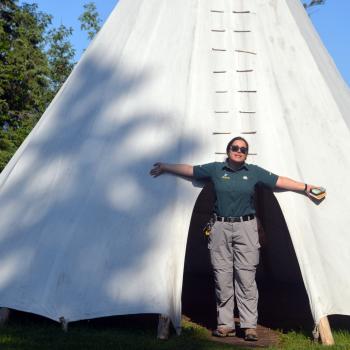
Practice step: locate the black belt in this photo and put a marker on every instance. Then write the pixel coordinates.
(234, 218)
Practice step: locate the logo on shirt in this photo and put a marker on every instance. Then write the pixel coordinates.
(225, 177)
(245, 177)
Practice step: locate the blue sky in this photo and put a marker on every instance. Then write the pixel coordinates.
(331, 21)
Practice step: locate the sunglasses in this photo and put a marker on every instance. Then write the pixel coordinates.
(235, 148)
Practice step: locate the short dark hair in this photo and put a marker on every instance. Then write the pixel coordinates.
(238, 138)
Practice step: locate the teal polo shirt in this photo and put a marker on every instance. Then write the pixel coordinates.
(234, 188)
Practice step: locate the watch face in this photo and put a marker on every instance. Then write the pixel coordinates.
(317, 191)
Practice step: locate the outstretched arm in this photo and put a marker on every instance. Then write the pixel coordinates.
(292, 185)
(176, 169)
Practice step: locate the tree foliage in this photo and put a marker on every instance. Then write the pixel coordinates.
(24, 73)
(60, 55)
(90, 20)
(35, 60)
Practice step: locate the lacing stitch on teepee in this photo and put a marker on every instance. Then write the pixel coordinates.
(245, 72)
(222, 74)
(244, 51)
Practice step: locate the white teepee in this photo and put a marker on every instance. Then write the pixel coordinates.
(84, 230)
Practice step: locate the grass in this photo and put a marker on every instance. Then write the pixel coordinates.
(30, 334)
(30, 337)
(301, 341)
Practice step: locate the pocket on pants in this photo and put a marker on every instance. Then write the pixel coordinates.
(245, 259)
(215, 235)
(211, 236)
(251, 237)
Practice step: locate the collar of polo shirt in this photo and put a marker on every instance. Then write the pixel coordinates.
(228, 166)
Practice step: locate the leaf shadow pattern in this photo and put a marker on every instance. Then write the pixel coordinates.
(79, 210)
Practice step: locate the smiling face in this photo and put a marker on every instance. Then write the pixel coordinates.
(239, 152)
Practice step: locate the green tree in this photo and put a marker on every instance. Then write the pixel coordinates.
(34, 63)
(90, 20)
(60, 55)
(24, 73)
(24, 66)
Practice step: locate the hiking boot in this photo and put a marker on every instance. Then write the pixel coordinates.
(250, 334)
(224, 332)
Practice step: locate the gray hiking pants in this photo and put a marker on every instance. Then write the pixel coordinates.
(234, 253)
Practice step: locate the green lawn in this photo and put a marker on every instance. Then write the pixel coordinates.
(29, 334)
(300, 341)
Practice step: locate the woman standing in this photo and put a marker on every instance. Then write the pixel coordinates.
(233, 241)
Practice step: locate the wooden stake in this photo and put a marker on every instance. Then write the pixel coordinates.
(325, 332)
(64, 324)
(4, 315)
(163, 327)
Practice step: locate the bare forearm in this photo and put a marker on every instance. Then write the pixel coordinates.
(176, 169)
(291, 185)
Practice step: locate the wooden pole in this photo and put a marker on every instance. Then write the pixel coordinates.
(64, 324)
(163, 327)
(325, 332)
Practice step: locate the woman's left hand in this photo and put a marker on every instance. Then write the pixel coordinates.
(292, 185)
(319, 196)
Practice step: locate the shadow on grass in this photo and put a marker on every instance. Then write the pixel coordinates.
(29, 332)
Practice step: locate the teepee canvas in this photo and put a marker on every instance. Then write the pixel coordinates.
(85, 232)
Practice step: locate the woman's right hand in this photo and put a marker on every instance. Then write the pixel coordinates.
(175, 169)
(157, 169)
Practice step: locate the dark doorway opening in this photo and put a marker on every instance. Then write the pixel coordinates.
(283, 302)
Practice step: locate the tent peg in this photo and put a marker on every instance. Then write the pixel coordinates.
(163, 327)
(64, 324)
(316, 334)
